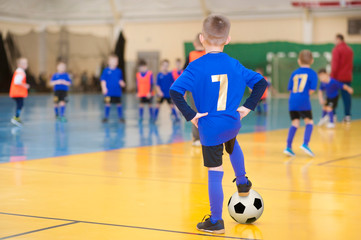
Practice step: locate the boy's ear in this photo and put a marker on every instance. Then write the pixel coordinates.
(201, 38)
(312, 61)
(228, 40)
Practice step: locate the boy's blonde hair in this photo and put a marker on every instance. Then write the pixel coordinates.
(305, 57)
(216, 29)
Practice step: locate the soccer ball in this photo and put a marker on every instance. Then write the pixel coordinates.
(246, 209)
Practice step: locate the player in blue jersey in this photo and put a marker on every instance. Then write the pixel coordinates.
(217, 83)
(331, 87)
(112, 83)
(164, 82)
(61, 82)
(302, 83)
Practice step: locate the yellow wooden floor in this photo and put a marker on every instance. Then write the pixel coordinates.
(161, 193)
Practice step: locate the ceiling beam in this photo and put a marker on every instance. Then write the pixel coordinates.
(205, 9)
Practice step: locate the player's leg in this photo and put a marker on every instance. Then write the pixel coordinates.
(118, 101)
(141, 108)
(174, 111)
(295, 118)
(265, 106)
(259, 107)
(156, 110)
(346, 97)
(212, 156)
(324, 119)
(107, 101)
(151, 109)
(331, 105)
(62, 107)
(56, 104)
(237, 160)
(307, 116)
(19, 105)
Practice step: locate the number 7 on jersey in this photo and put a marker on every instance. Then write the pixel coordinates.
(223, 89)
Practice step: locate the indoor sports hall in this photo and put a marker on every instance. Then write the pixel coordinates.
(77, 162)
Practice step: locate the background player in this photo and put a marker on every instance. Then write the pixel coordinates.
(331, 87)
(263, 101)
(112, 83)
(217, 83)
(302, 83)
(178, 69)
(19, 89)
(164, 82)
(61, 82)
(145, 89)
(193, 55)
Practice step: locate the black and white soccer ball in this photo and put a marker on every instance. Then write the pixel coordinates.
(246, 209)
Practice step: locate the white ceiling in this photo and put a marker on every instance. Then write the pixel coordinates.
(68, 11)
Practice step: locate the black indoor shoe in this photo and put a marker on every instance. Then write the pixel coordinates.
(207, 226)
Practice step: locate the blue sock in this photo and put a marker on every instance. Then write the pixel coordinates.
(237, 160)
(120, 111)
(62, 111)
(330, 114)
(106, 111)
(291, 135)
(141, 112)
(259, 109)
(324, 113)
(308, 132)
(265, 107)
(151, 112)
(56, 110)
(156, 112)
(215, 192)
(17, 113)
(174, 112)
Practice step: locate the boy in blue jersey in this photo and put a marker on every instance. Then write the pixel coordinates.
(111, 83)
(61, 82)
(331, 87)
(164, 82)
(217, 83)
(302, 83)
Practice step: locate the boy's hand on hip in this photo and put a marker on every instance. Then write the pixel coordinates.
(196, 117)
(243, 111)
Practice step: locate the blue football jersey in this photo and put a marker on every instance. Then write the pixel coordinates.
(165, 81)
(112, 78)
(301, 82)
(331, 88)
(61, 76)
(217, 83)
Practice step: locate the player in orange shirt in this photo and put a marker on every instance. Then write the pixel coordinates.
(145, 89)
(19, 89)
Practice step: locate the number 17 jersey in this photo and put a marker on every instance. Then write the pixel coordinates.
(217, 83)
(301, 82)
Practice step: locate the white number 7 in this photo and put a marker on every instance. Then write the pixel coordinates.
(223, 89)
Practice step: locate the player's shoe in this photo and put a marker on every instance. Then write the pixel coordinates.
(330, 125)
(323, 120)
(16, 121)
(207, 226)
(121, 120)
(105, 120)
(347, 119)
(196, 143)
(307, 150)
(289, 152)
(63, 119)
(243, 189)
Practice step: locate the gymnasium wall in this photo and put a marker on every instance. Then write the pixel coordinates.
(168, 38)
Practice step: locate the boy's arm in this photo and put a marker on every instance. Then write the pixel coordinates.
(320, 97)
(103, 85)
(122, 83)
(159, 91)
(253, 99)
(348, 88)
(19, 81)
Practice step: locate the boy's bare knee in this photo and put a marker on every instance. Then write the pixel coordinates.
(219, 169)
(296, 123)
